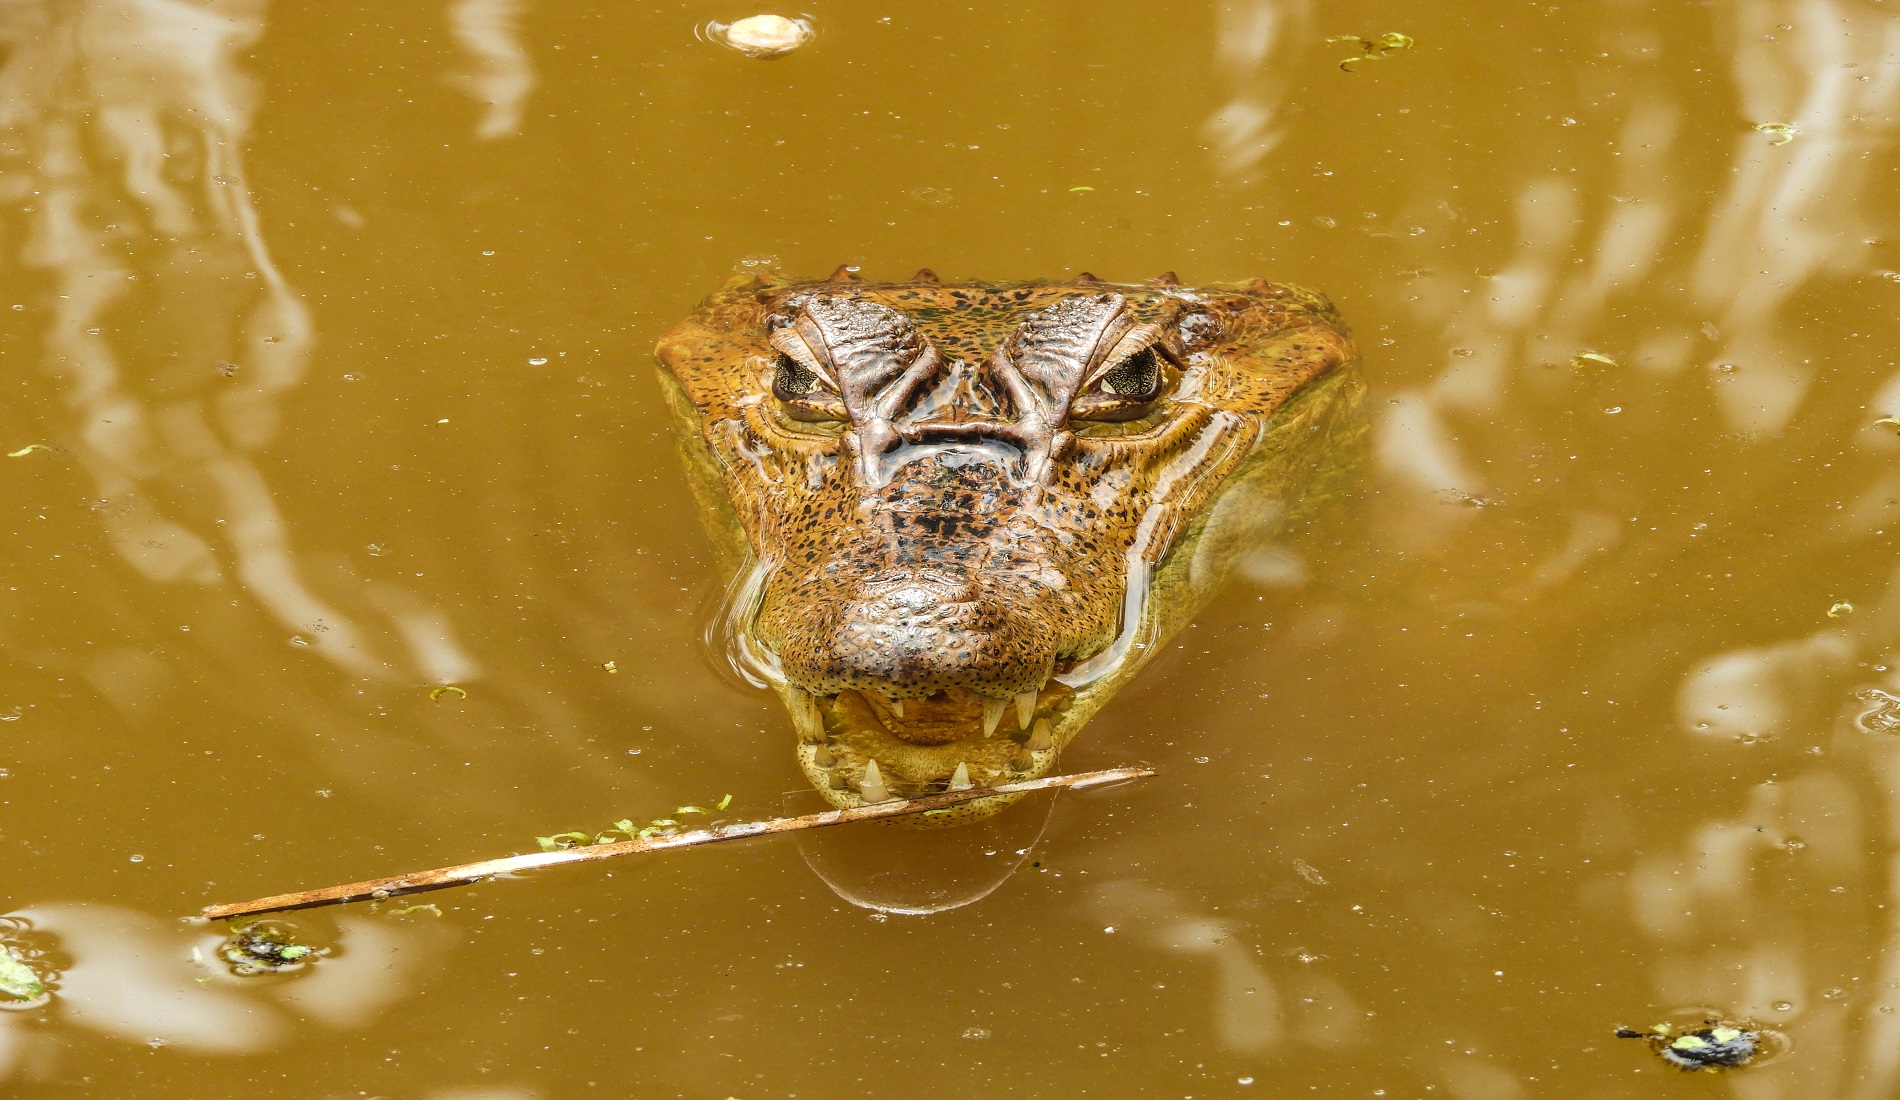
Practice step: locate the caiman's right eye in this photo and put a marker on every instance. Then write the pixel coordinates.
(794, 379)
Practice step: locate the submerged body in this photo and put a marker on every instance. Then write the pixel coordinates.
(961, 516)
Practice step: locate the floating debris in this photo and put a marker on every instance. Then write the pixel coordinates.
(28, 449)
(411, 910)
(227, 369)
(266, 947)
(1714, 1046)
(1779, 133)
(1373, 49)
(1883, 716)
(1888, 422)
(1084, 187)
(447, 689)
(1839, 610)
(610, 666)
(1592, 358)
(20, 987)
(762, 37)
(625, 829)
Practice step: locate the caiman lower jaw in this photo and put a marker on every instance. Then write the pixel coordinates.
(859, 748)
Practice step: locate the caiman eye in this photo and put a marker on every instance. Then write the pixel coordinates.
(1137, 376)
(794, 378)
(803, 393)
(1127, 390)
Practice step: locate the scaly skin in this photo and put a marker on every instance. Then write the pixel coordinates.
(958, 506)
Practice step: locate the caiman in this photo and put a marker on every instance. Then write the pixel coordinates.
(960, 516)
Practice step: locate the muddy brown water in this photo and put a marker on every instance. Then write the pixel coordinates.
(334, 323)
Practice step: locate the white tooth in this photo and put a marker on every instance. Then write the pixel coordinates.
(1040, 739)
(807, 717)
(1025, 708)
(897, 707)
(960, 781)
(823, 758)
(871, 787)
(993, 715)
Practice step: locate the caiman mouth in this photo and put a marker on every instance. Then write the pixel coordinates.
(860, 747)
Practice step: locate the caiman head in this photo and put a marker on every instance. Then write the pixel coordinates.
(961, 516)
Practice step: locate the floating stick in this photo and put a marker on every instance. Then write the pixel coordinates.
(462, 874)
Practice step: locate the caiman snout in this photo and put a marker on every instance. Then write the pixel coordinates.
(913, 638)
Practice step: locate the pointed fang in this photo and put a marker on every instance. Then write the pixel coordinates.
(1040, 739)
(993, 715)
(806, 716)
(1025, 708)
(822, 756)
(871, 788)
(960, 779)
(897, 707)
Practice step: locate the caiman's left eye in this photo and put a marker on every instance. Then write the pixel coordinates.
(1137, 376)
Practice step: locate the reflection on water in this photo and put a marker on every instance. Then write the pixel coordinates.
(1550, 730)
(174, 335)
(499, 74)
(157, 983)
(915, 872)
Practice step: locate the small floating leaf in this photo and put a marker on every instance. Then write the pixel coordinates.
(723, 803)
(17, 980)
(1596, 357)
(1084, 188)
(611, 667)
(1840, 609)
(1779, 133)
(28, 449)
(561, 840)
(1373, 49)
(1724, 1034)
(447, 689)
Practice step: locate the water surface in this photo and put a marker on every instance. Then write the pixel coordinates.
(334, 322)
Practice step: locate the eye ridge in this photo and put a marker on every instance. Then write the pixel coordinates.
(1134, 376)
